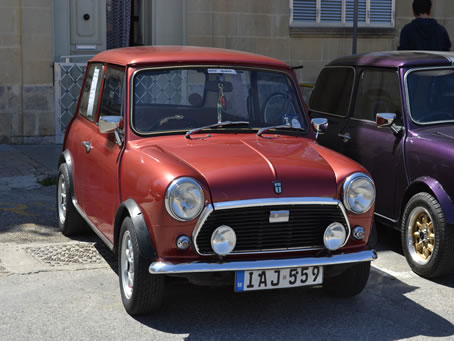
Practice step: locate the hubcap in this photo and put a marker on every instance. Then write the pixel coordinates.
(127, 265)
(420, 235)
(61, 198)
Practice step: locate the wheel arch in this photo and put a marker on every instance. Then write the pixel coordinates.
(433, 187)
(131, 209)
(66, 157)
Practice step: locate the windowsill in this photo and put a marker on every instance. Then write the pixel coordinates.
(340, 32)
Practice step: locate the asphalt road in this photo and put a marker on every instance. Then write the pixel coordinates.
(51, 298)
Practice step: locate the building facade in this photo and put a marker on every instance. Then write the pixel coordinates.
(37, 35)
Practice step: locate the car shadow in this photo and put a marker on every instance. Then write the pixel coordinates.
(382, 311)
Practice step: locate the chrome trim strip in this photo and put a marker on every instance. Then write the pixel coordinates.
(169, 268)
(385, 217)
(93, 227)
(274, 201)
(265, 202)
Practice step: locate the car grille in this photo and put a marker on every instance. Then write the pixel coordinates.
(254, 232)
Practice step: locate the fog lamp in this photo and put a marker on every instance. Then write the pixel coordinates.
(183, 242)
(223, 240)
(358, 232)
(334, 236)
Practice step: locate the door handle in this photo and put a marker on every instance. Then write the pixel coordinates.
(345, 137)
(87, 145)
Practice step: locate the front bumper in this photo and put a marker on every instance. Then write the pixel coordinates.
(194, 267)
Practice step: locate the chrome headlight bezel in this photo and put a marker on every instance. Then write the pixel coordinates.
(349, 186)
(171, 195)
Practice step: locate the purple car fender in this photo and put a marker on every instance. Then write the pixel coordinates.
(440, 194)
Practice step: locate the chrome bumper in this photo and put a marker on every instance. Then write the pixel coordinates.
(169, 268)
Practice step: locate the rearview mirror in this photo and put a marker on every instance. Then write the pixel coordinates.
(385, 119)
(108, 124)
(320, 125)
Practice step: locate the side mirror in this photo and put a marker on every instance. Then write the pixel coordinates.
(109, 124)
(385, 119)
(320, 125)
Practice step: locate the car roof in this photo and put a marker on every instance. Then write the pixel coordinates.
(396, 59)
(167, 55)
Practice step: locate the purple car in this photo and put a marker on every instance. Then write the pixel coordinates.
(393, 112)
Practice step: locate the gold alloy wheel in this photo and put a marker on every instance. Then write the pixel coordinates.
(421, 235)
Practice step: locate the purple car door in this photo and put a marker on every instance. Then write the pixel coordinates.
(379, 150)
(331, 99)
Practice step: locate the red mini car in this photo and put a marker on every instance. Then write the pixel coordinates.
(202, 163)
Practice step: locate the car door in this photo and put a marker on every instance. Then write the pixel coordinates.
(331, 99)
(83, 127)
(102, 157)
(379, 150)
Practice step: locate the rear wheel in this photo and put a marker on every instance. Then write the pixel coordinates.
(69, 220)
(141, 292)
(350, 282)
(427, 241)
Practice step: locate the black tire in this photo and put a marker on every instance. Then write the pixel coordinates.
(429, 251)
(145, 292)
(69, 220)
(373, 237)
(349, 283)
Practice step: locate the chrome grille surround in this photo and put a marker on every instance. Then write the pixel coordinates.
(227, 205)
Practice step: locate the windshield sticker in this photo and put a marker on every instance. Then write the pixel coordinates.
(91, 98)
(227, 71)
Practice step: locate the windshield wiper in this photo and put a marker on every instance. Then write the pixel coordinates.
(284, 126)
(216, 125)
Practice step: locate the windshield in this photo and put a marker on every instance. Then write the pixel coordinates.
(431, 95)
(188, 98)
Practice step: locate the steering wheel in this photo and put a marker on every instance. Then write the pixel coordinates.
(275, 105)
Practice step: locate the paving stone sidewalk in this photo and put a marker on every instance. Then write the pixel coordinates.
(22, 166)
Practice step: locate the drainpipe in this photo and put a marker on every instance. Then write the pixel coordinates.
(21, 85)
(355, 27)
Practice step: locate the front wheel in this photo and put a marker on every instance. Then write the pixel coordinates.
(141, 292)
(349, 283)
(427, 241)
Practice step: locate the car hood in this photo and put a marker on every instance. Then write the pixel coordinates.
(246, 166)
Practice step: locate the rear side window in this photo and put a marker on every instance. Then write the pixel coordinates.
(88, 106)
(332, 92)
(378, 92)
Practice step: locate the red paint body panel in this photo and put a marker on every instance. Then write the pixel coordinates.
(228, 166)
(178, 55)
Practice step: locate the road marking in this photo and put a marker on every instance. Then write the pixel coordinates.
(15, 208)
(396, 274)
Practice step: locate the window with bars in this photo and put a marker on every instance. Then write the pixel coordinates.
(339, 13)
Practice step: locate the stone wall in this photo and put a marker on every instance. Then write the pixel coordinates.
(26, 91)
(259, 26)
(262, 26)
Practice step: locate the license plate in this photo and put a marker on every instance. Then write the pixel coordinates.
(278, 278)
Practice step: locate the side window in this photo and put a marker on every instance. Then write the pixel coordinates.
(90, 94)
(378, 92)
(332, 92)
(112, 93)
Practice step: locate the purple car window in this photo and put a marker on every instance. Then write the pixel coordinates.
(431, 95)
(333, 90)
(378, 92)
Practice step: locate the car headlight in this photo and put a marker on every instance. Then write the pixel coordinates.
(184, 199)
(359, 193)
